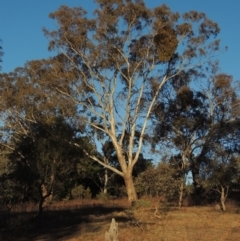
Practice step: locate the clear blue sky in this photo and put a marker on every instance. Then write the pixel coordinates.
(21, 23)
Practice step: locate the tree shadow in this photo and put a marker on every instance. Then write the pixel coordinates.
(58, 224)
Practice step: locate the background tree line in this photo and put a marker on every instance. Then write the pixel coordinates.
(131, 80)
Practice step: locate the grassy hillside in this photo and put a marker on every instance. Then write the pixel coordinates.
(89, 220)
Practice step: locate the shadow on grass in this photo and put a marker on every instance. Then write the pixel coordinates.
(57, 224)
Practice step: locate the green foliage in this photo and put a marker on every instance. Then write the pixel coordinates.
(103, 196)
(45, 160)
(141, 203)
(157, 181)
(78, 192)
(164, 207)
(10, 193)
(88, 193)
(201, 125)
(220, 173)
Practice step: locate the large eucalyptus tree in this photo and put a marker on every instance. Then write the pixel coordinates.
(114, 66)
(110, 69)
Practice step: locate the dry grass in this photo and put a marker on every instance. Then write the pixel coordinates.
(89, 220)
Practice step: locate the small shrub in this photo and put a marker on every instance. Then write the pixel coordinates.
(103, 196)
(164, 207)
(78, 192)
(88, 193)
(141, 203)
(67, 198)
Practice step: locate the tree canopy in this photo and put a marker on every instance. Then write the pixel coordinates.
(126, 77)
(113, 67)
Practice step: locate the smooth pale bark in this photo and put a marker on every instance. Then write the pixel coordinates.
(181, 192)
(183, 171)
(223, 190)
(105, 181)
(223, 197)
(130, 188)
(127, 169)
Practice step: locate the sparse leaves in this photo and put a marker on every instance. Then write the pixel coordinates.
(110, 71)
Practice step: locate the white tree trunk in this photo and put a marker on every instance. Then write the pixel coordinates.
(181, 192)
(223, 197)
(105, 181)
(130, 188)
